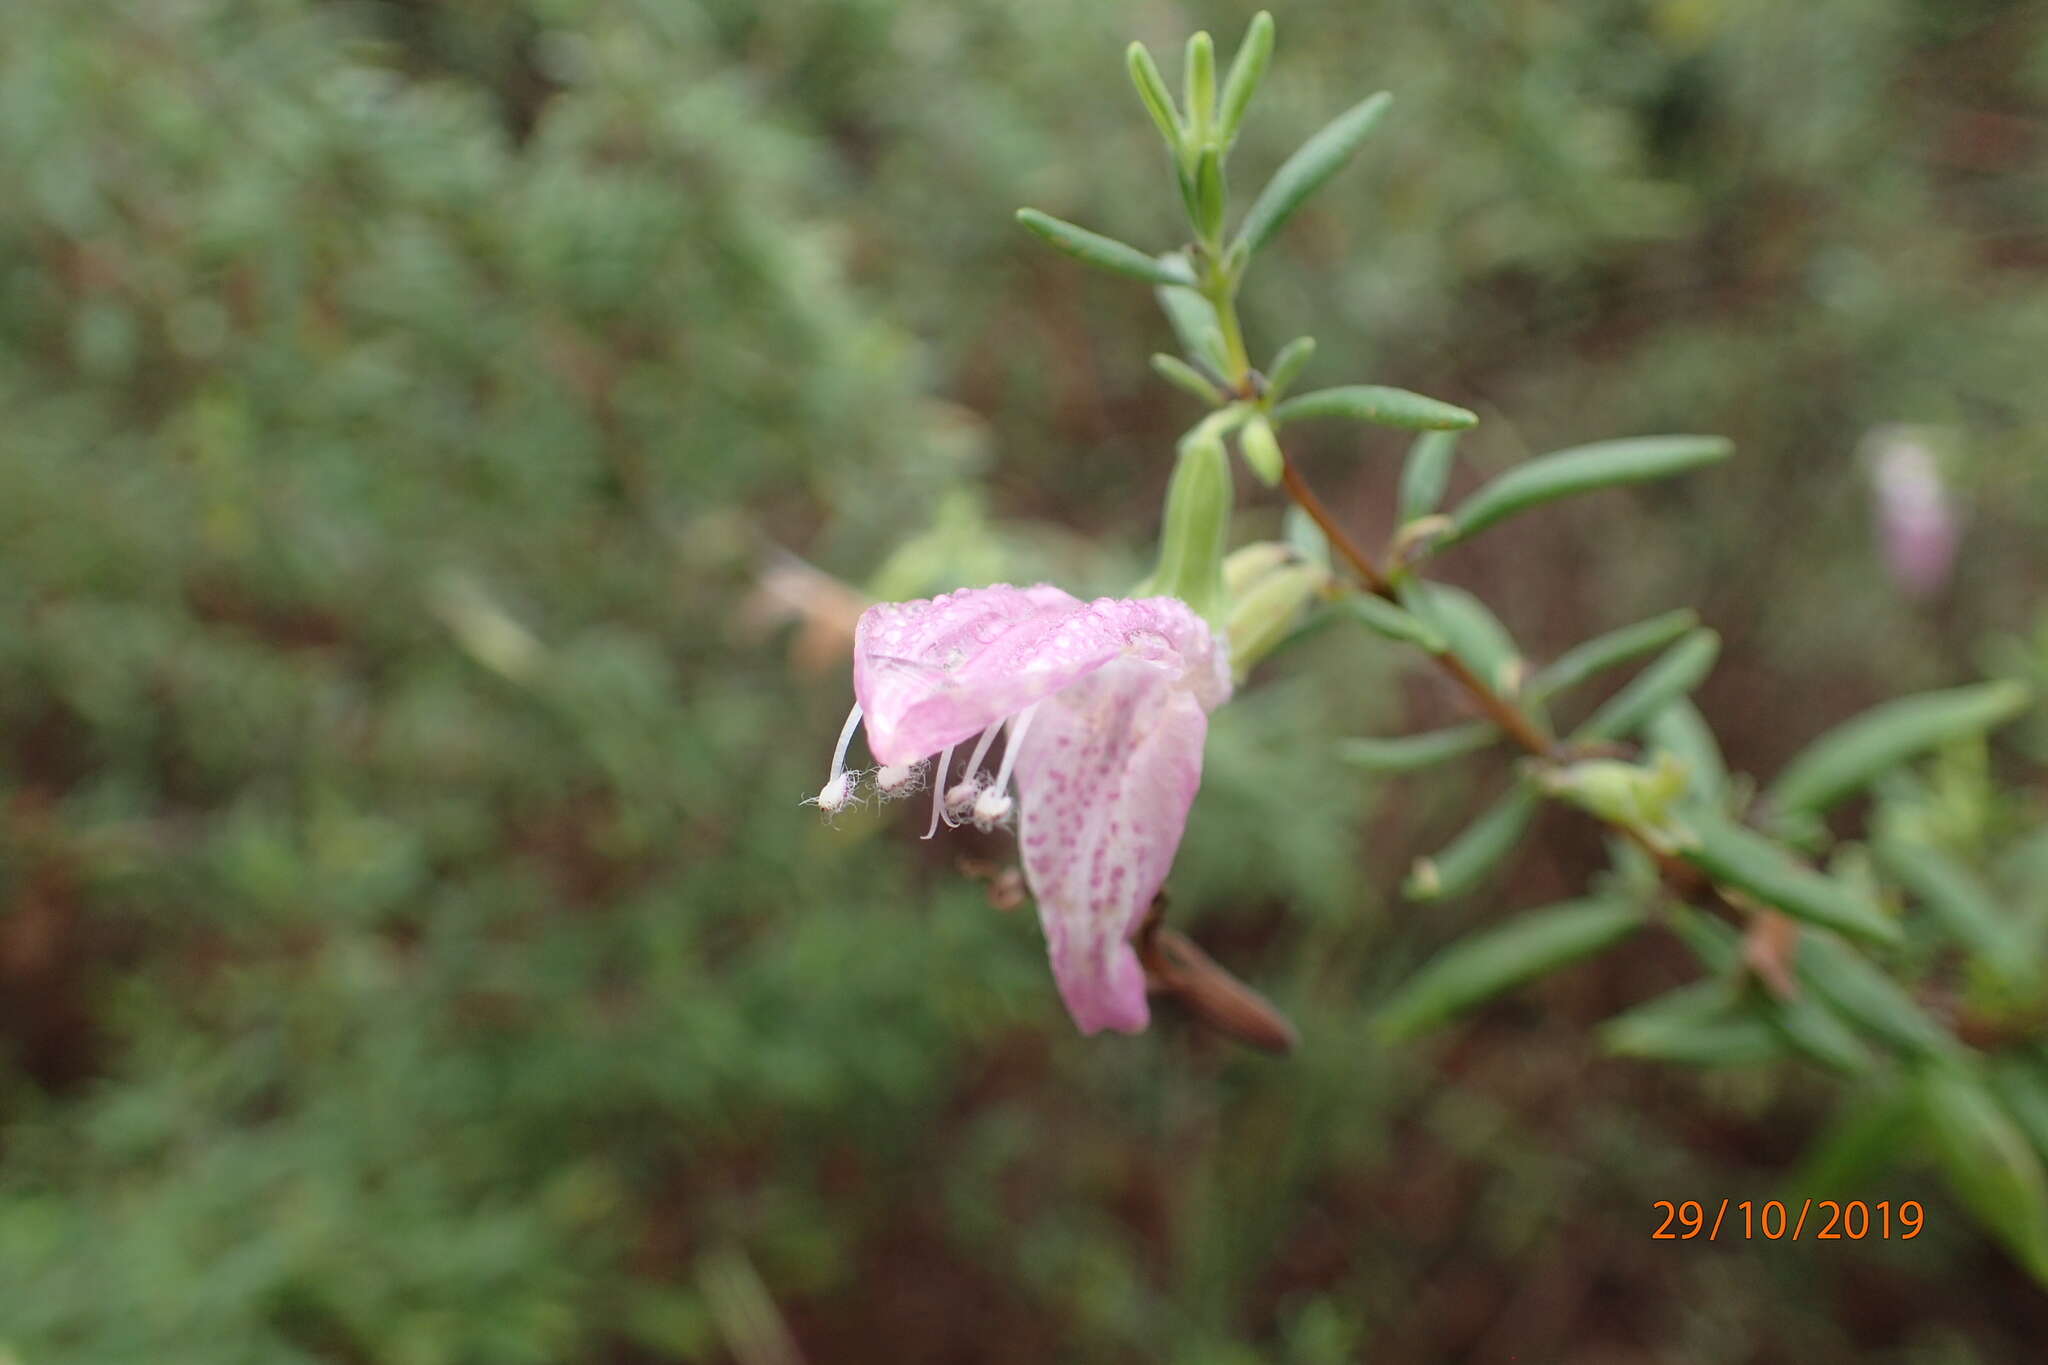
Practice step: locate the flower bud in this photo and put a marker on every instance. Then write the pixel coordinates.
(1268, 612)
(1261, 450)
(1247, 564)
(1197, 522)
(1628, 794)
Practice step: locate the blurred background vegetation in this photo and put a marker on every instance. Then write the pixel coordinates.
(411, 948)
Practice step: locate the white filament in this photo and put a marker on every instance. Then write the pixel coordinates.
(994, 805)
(845, 738)
(981, 747)
(1018, 725)
(962, 795)
(838, 788)
(939, 790)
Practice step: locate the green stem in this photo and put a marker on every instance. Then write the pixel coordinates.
(1233, 339)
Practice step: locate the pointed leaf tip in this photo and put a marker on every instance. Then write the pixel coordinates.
(1104, 253)
(1852, 755)
(1477, 968)
(1380, 405)
(1152, 92)
(1304, 173)
(1247, 70)
(1582, 469)
(1741, 858)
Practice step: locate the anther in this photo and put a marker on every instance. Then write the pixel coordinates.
(896, 779)
(991, 808)
(834, 795)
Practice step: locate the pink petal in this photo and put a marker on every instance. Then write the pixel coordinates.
(1920, 549)
(1106, 776)
(935, 672)
(1916, 523)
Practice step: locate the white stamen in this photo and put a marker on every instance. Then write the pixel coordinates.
(981, 747)
(898, 779)
(845, 738)
(1018, 725)
(961, 796)
(834, 795)
(837, 792)
(993, 805)
(939, 790)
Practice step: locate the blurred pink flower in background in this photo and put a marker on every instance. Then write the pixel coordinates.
(1916, 521)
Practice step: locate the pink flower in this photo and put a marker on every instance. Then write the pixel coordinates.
(1916, 522)
(1107, 706)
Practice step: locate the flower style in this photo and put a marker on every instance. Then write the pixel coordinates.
(1106, 705)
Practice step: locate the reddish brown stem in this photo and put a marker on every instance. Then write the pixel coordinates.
(1513, 722)
(1680, 876)
(1360, 562)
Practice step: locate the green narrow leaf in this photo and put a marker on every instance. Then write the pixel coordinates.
(1749, 862)
(1377, 404)
(1193, 319)
(1187, 379)
(1411, 753)
(1469, 630)
(1426, 473)
(1389, 620)
(1988, 1161)
(1860, 1144)
(1960, 903)
(1247, 69)
(1716, 944)
(1677, 672)
(1708, 1023)
(1261, 451)
(1299, 530)
(1184, 177)
(1680, 729)
(1152, 90)
(1287, 366)
(1813, 1029)
(1847, 758)
(1475, 969)
(2023, 1090)
(1198, 84)
(1581, 470)
(1209, 194)
(1466, 861)
(1602, 652)
(1854, 988)
(1104, 253)
(1304, 173)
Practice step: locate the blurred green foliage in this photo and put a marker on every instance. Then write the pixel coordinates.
(411, 949)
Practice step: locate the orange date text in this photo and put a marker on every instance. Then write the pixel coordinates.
(1774, 1220)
